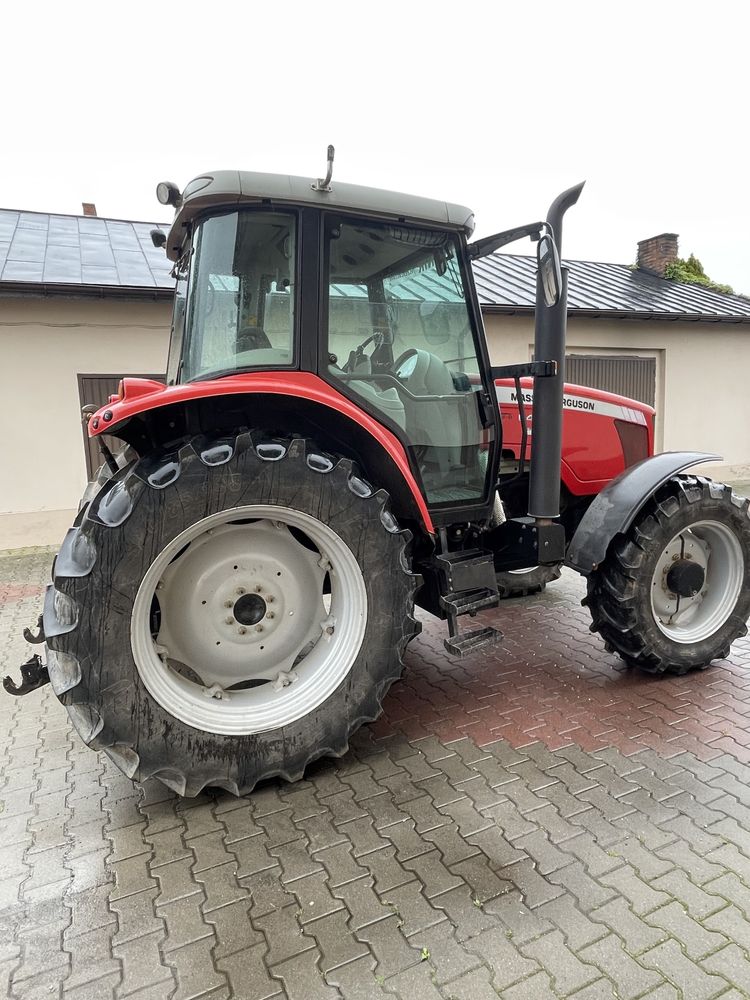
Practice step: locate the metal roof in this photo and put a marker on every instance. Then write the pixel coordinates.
(81, 252)
(506, 284)
(76, 254)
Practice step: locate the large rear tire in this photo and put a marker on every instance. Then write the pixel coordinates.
(229, 613)
(674, 591)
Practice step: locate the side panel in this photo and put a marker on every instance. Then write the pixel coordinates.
(616, 507)
(592, 452)
(141, 395)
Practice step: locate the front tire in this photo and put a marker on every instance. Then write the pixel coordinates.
(229, 613)
(674, 591)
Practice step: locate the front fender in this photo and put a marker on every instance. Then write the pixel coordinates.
(616, 507)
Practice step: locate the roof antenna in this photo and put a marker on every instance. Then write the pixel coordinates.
(324, 183)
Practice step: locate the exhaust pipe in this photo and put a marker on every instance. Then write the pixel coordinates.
(549, 345)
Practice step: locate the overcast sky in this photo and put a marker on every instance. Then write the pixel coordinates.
(495, 105)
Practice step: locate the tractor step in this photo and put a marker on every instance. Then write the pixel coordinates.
(468, 602)
(466, 643)
(469, 569)
(467, 584)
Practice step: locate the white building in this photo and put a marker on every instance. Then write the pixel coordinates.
(84, 301)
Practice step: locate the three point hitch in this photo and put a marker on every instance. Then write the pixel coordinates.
(33, 672)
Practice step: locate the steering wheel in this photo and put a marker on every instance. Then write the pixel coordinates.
(402, 358)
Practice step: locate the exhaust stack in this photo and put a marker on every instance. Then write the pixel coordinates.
(549, 345)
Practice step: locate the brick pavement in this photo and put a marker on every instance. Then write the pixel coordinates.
(535, 822)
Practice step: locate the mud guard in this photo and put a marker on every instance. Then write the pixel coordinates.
(616, 507)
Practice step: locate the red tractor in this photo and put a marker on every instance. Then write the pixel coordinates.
(236, 594)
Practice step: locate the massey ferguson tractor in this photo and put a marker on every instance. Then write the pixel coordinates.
(237, 591)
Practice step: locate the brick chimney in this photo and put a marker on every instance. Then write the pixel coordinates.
(89, 208)
(655, 253)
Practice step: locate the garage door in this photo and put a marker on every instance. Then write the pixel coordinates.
(97, 389)
(627, 375)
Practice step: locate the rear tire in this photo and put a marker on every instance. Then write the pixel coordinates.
(176, 679)
(674, 591)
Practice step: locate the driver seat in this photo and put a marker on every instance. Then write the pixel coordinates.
(437, 423)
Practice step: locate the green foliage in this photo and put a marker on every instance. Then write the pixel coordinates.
(691, 272)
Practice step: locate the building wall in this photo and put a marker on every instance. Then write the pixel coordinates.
(44, 345)
(702, 399)
(701, 394)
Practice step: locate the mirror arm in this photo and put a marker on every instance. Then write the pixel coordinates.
(488, 245)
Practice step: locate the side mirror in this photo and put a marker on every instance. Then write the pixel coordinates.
(548, 263)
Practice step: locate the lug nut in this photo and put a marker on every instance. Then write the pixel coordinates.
(269, 614)
(258, 588)
(269, 599)
(229, 620)
(227, 604)
(240, 590)
(258, 628)
(242, 630)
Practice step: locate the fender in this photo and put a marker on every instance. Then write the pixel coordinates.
(137, 396)
(616, 507)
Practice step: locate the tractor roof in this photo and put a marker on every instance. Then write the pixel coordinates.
(230, 188)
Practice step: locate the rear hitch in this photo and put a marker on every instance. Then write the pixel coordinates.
(40, 636)
(34, 675)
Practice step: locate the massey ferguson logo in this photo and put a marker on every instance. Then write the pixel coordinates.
(569, 402)
(576, 403)
(602, 407)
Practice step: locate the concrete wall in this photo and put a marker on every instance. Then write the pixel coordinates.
(44, 345)
(702, 395)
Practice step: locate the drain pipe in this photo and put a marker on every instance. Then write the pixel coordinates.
(549, 345)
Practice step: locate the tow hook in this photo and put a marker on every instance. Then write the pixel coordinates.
(39, 637)
(34, 675)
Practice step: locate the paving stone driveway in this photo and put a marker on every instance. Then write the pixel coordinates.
(531, 823)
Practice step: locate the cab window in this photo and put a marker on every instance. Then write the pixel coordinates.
(400, 337)
(241, 299)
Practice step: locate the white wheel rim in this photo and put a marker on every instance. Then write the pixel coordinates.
(241, 602)
(715, 548)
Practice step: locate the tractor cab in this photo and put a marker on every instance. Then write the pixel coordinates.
(369, 291)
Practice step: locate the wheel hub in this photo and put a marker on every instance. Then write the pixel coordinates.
(240, 603)
(250, 609)
(686, 578)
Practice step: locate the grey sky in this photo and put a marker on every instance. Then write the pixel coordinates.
(496, 105)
